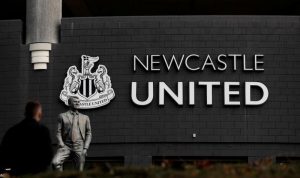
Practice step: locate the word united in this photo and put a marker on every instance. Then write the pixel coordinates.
(193, 62)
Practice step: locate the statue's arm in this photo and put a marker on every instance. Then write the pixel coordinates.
(59, 131)
(88, 133)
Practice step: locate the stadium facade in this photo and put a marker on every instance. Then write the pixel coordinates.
(37, 55)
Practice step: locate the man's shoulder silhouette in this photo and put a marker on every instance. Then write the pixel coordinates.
(26, 147)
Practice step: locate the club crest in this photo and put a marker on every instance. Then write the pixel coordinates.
(94, 89)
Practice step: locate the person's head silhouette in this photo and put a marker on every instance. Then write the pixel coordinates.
(33, 110)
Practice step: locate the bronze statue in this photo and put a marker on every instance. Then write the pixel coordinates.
(74, 136)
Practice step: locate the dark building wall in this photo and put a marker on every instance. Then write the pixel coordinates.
(12, 72)
(123, 129)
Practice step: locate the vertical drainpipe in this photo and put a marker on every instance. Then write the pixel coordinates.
(43, 19)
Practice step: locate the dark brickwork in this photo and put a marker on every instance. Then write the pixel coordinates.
(13, 73)
(123, 129)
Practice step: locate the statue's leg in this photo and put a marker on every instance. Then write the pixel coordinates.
(82, 161)
(79, 158)
(61, 155)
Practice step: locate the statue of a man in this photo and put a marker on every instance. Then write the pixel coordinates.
(74, 136)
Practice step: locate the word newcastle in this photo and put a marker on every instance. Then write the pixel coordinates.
(193, 62)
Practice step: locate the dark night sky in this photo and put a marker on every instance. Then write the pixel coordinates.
(16, 9)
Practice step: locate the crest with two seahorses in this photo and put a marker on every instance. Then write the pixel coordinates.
(73, 81)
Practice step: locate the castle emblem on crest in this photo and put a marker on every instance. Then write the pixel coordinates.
(94, 89)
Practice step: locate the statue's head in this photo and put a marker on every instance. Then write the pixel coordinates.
(73, 102)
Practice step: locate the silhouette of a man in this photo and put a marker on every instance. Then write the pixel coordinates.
(26, 147)
(74, 136)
